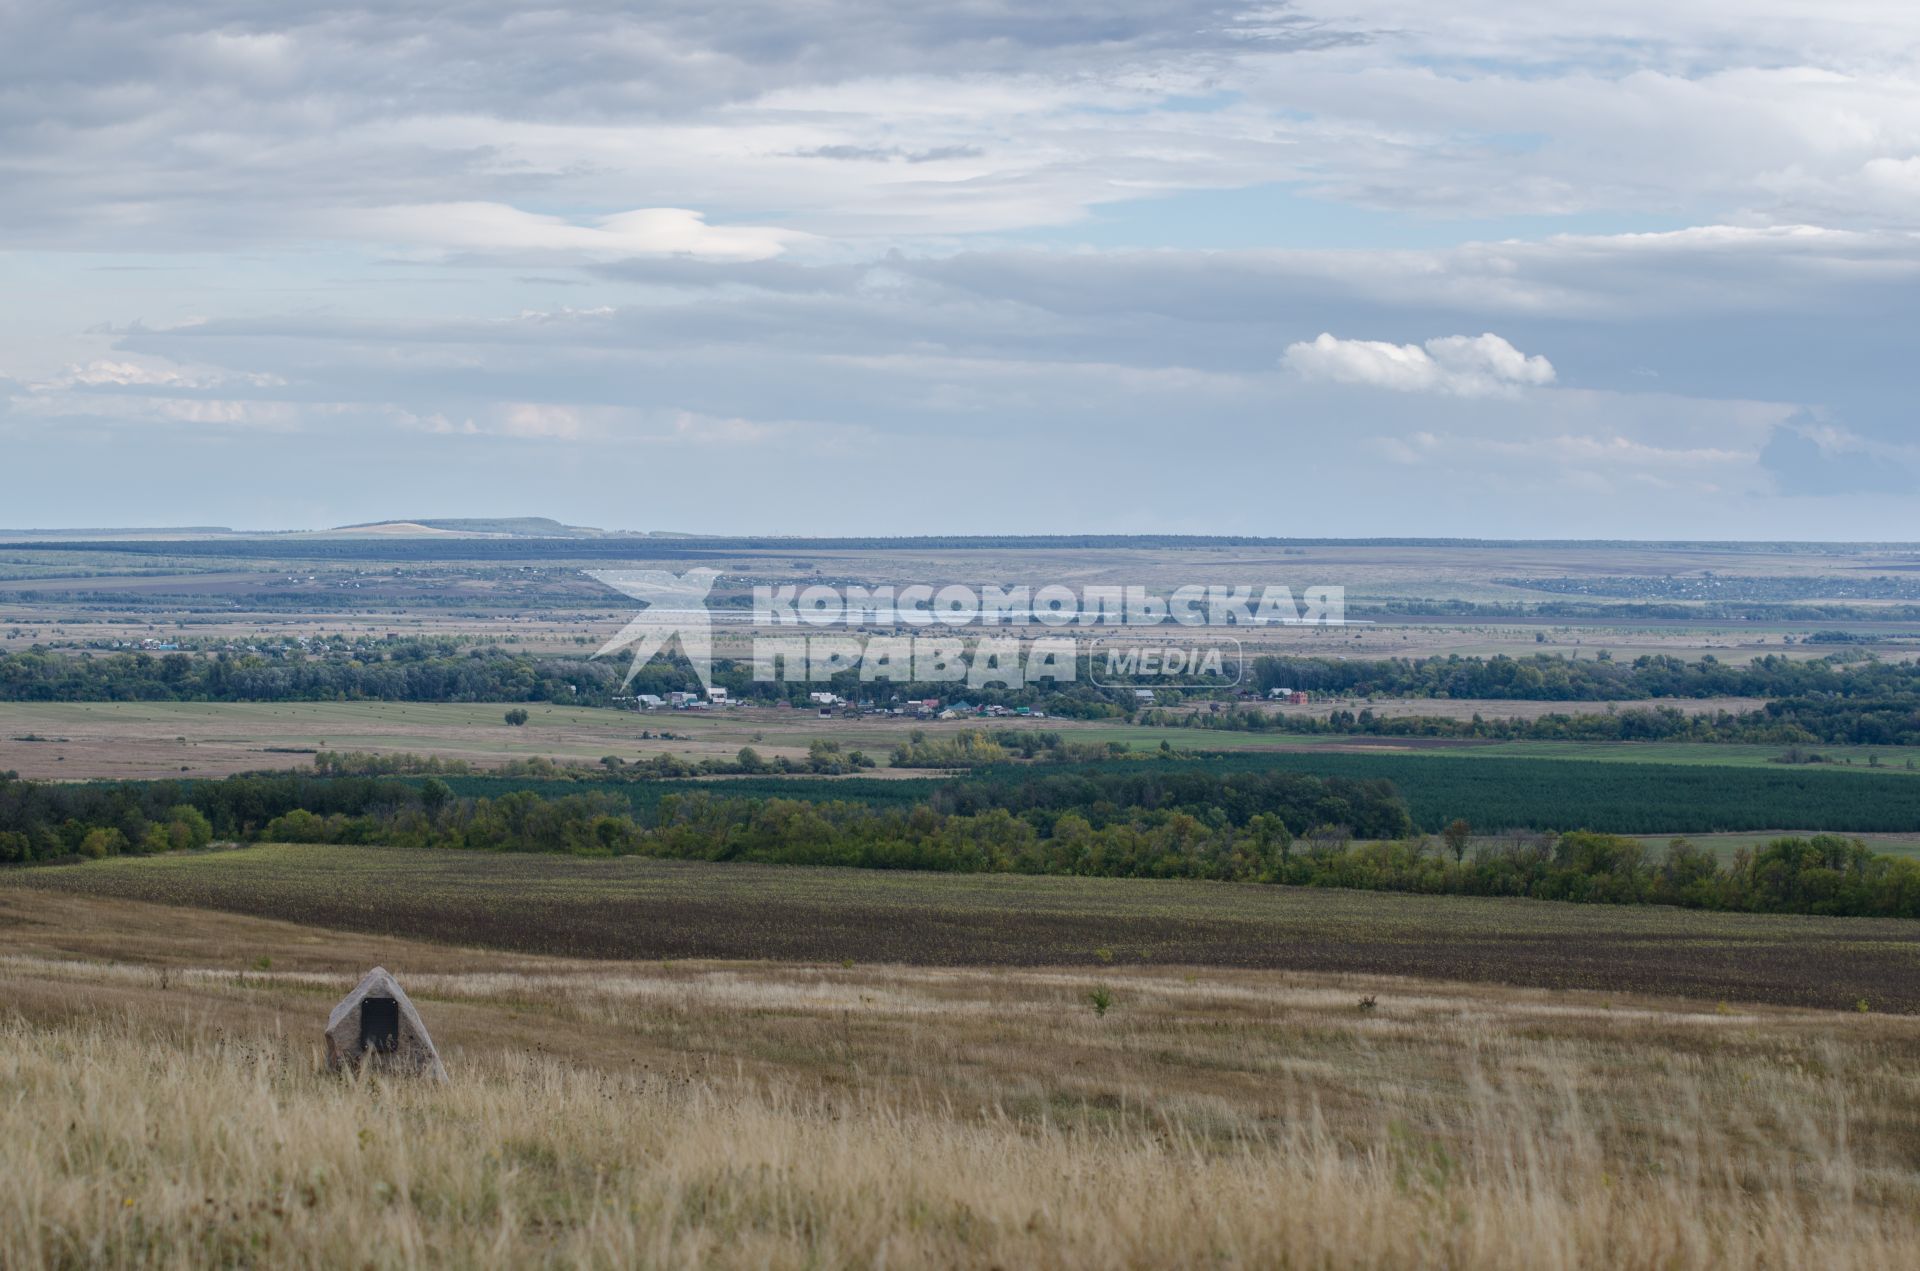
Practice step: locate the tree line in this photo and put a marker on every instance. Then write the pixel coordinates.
(1552, 677)
(1276, 827)
(1833, 721)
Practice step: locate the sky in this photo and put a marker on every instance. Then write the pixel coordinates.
(1340, 267)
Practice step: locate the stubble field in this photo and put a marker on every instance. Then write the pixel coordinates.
(647, 909)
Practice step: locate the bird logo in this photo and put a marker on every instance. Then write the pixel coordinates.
(676, 608)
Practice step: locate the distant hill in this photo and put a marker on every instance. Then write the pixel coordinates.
(492, 527)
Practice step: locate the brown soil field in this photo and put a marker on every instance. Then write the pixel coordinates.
(637, 908)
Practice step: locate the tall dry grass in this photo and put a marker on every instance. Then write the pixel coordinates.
(139, 1143)
(161, 1104)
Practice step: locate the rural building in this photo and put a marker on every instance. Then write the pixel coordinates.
(717, 695)
(377, 1025)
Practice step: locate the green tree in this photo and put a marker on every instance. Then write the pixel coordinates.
(187, 827)
(102, 841)
(435, 794)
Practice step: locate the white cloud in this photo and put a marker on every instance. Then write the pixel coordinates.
(541, 420)
(498, 227)
(1460, 365)
(110, 374)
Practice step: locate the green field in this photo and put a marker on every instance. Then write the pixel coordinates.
(639, 908)
(1564, 794)
(1725, 845)
(1892, 759)
(1658, 789)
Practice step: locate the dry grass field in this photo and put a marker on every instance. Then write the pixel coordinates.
(165, 1107)
(128, 740)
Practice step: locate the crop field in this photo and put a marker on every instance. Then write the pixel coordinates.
(92, 740)
(639, 908)
(169, 1108)
(1622, 798)
(1886, 759)
(1647, 799)
(1881, 759)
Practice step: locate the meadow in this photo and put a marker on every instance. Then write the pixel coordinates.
(636, 908)
(169, 1108)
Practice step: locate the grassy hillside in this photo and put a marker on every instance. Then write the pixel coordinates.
(166, 1107)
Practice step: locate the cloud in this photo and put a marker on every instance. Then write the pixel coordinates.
(1463, 366)
(109, 374)
(540, 420)
(168, 124)
(496, 227)
(1806, 458)
(889, 154)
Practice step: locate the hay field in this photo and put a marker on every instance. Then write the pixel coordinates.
(124, 740)
(167, 1109)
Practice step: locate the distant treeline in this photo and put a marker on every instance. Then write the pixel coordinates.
(404, 673)
(1273, 827)
(1550, 677)
(1787, 722)
(435, 671)
(1842, 698)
